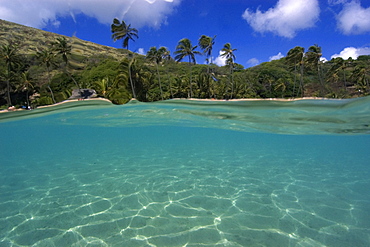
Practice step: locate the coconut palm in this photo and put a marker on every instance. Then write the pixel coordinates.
(339, 66)
(228, 54)
(11, 59)
(26, 85)
(295, 57)
(186, 49)
(47, 57)
(312, 59)
(167, 58)
(206, 44)
(120, 30)
(62, 48)
(157, 56)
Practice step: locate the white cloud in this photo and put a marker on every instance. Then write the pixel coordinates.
(323, 59)
(38, 13)
(276, 57)
(141, 51)
(352, 52)
(354, 19)
(219, 61)
(253, 62)
(286, 18)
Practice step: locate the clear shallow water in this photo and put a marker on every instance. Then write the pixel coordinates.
(181, 173)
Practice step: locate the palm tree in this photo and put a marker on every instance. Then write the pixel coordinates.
(62, 48)
(186, 49)
(206, 44)
(339, 65)
(120, 30)
(11, 58)
(295, 57)
(313, 56)
(157, 56)
(361, 77)
(26, 85)
(167, 58)
(228, 53)
(47, 57)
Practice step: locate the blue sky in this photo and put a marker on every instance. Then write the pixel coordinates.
(259, 30)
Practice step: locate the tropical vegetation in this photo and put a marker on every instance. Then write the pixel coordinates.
(51, 69)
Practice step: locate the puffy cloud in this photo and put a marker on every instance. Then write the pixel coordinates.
(253, 62)
(286, 18)
(354, 19)
(352, 52)
(141, 51)
(41, 12)
(276, 57)
(219, 61)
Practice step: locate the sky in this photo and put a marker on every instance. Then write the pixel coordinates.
(260, 30)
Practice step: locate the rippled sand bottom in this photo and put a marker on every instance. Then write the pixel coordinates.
(183, 197)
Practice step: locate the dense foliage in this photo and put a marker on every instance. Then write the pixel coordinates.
(49, 75)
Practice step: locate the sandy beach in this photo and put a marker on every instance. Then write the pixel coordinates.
(12, 109)
(192, 99)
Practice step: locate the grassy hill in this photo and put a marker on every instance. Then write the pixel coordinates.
(32, 39)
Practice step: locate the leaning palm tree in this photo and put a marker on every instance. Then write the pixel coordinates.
(206, 44)
(295, 57)
(120, 30)
(9, 55)
(312, 59)
(46, 57)
(62, 48)
(228, 54)
(157, 56)
(186, 49)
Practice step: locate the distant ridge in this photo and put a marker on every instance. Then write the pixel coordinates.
(31, 39)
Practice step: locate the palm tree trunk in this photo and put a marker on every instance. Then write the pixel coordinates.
(232, 81)
(49, 81)
(301, 81)
(159, 81)
(132, 84)
(191, 88)
(8, 92)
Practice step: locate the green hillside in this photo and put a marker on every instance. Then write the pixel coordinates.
(37, 73)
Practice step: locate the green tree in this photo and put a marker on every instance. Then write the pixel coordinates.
(120, 30)
(157, 55)
(62, 48)
(361, 76)
(186, 49)
(339, 66)
(9, 53)
(295, 58)
(228, 53)
(312, 59)
(26, 85)
(206, 44)
(168, 60)
(47, 57)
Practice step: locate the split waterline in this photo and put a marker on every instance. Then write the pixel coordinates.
(187, 173)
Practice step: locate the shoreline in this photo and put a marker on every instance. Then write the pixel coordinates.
(259, 99)
(56, 104)
(191, 99)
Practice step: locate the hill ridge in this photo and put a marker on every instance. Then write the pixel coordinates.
(31, 39)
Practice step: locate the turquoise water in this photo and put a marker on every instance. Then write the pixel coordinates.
(187, 173)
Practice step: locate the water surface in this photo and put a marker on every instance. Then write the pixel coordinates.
(187, 173)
